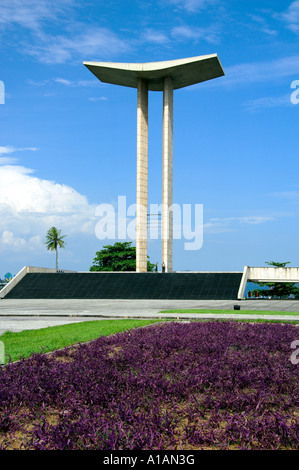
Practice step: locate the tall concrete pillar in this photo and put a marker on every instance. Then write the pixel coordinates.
(167, 180)
(142, 175)
(156, 77)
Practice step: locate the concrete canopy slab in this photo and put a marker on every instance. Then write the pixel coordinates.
(183, 72)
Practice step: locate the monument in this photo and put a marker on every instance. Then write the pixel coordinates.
(156, 76)
(44, 283)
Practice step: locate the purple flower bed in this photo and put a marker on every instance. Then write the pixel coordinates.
(222, 385)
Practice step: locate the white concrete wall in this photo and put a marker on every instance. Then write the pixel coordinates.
(270, 274)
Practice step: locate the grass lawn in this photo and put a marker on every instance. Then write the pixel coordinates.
(24, 343)
(236, 312)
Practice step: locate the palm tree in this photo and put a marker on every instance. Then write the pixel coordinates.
(55, 240)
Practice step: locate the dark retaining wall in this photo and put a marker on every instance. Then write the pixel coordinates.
(204, 286)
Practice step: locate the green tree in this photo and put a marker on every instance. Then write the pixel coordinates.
(277, 289)
(117, 257)
(54, 239)
(276, 264)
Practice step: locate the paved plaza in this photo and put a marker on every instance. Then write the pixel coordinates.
(24, 314)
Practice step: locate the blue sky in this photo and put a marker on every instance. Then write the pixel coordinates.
(68, 141)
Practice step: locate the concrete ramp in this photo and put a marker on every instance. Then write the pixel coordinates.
(21, 274)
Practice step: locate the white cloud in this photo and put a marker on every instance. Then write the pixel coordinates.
(263, 71)
(7, 160)
(263, 25)
(257, 72)
(31, 14)
(74, 40)
(228, 224)
(208, 34)
(64, 81)
(78, 83)
(252, 220)
(10, 149)
(183, 32)
(100, 98)
(153, 36)
(38, 83)
(29, 206)
(267, 102)
(193, 5)
(96, 43)
(292, 196)
(27, 193)
(8, 241)
(291, 16)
